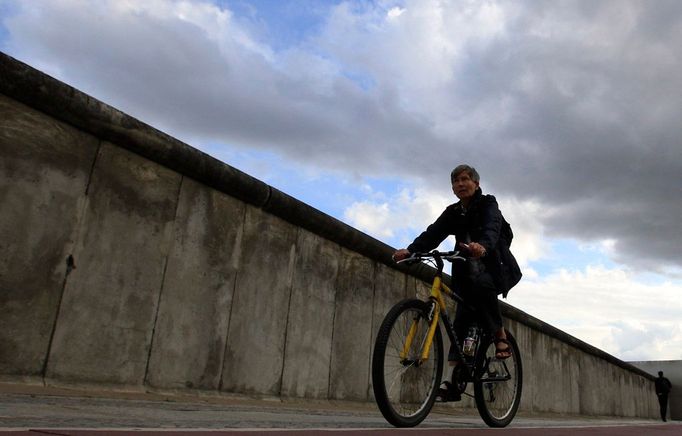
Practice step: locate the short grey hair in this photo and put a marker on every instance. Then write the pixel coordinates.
(471, 171)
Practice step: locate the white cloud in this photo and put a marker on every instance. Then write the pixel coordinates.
(375, 219)
(394, 13)
(525, 218)
(609, 308)
(417, 57)
(385, 217)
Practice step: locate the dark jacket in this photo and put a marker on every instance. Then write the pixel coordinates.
(483, 223)
(663, 386)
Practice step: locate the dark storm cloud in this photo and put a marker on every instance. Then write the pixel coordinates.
(576, 105)
(596, 133)
(172, 74)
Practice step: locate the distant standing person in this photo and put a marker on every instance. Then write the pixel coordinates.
(663, 388)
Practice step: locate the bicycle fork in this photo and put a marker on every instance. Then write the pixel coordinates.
(425, 346)
(436, 310)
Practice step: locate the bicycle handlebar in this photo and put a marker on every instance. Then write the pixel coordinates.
(447, 255)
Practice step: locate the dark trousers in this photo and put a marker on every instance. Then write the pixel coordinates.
(482, 296)
(663, 401)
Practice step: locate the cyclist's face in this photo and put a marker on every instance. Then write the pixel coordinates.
(463, 186)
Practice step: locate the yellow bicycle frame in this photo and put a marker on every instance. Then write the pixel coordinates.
(436, 295)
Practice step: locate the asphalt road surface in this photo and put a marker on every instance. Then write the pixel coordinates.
(58, 414)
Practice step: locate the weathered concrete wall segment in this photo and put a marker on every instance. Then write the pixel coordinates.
(192, 275)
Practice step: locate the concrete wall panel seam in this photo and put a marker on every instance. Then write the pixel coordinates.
(229, 322)
(54, 325)
(43, 173)
(288, 312)
(349, 368)
(163, 282)
(111, 300)
(71, 262)
(372, 338)
(254, 358)
(92, 168)
(331, 343)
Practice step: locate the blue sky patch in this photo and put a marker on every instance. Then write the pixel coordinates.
(281, 24)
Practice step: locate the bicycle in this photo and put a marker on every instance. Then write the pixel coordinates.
(407, 364)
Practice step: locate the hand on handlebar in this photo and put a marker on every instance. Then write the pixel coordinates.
(404, 256)
(401, 254)
(473, 249)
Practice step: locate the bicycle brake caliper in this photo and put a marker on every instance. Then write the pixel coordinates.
(432, 310)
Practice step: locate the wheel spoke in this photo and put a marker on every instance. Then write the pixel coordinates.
(498, 389)
(404, 386)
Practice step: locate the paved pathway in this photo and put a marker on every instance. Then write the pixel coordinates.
(57, 414)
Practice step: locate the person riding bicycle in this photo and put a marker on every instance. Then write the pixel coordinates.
(479, 229)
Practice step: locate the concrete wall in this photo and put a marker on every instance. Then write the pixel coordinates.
(672, 370)
(190, 275)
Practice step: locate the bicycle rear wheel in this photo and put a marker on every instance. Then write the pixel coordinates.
(497, 383)
(405, 387)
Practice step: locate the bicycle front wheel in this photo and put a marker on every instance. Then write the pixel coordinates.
(497, 383)
(405, 387)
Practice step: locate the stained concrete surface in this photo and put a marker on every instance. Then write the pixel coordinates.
(44, 170)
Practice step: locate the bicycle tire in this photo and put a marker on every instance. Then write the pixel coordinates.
(404, 389)
(498, 383)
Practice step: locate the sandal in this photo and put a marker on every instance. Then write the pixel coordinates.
(502, 353)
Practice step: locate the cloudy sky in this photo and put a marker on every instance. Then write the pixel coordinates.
(570, 110)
